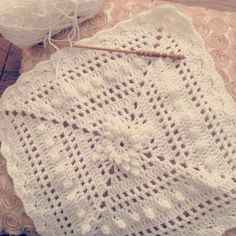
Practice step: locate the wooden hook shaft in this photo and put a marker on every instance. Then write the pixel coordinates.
(126, 51)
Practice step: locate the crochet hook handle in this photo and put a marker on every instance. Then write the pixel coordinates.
(138, 53)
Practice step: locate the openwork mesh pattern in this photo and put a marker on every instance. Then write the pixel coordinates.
(112, 144)
(28, 22)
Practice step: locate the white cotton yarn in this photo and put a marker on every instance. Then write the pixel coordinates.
(29, 22)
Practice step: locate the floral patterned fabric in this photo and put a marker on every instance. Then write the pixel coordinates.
(218, 30)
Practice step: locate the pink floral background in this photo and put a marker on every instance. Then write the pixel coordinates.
(218, 30)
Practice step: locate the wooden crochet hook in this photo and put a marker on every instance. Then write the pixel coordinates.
(172, 56)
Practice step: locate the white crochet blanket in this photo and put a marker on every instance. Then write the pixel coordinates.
(111, 144)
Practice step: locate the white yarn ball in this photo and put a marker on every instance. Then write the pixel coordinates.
(28, 22)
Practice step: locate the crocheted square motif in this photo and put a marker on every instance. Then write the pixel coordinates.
(105, 143)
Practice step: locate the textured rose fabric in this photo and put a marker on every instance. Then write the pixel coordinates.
(218, 30)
